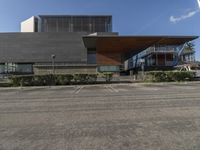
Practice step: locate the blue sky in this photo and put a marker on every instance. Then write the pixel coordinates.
(130, 17)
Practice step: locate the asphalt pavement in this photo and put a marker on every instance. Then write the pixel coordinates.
(101, 117)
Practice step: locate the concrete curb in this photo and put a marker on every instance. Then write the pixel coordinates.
(99, 85)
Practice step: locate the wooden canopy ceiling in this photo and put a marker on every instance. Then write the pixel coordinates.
(131, 43)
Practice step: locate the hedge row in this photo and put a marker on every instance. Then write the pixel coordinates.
(169, 76)
(67, 79)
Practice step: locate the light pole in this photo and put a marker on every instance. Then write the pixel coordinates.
(53, 56)
(142, 61)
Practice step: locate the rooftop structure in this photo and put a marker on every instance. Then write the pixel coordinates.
(67, 23)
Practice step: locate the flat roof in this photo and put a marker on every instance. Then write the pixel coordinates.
(75, 15)
(132, 43)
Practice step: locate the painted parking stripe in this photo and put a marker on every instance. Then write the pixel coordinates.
(114, 89)
(78, 90)
(111, 89)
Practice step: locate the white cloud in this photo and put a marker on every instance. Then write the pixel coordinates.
(177, 19)
(188, 15)
(198, 1)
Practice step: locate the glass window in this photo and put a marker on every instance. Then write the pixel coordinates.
(16, 68)
(108, 69)
(24, 68)
(2, 68)
(91, 56)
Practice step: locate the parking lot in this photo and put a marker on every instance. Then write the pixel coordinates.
(101, 117)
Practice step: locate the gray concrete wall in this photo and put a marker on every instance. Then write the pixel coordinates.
(38, 47)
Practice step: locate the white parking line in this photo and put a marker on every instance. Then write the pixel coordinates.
(114, 89)
(149, 89)
(78, 89)
(111, 89)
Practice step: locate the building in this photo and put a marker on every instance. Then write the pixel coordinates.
(83, 44)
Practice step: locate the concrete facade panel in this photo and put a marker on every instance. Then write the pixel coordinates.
(28, 25)
(64, 70)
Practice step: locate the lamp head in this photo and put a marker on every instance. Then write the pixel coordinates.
(53, 56)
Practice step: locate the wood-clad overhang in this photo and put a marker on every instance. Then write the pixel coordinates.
(135, 44)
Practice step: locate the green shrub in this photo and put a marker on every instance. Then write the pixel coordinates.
(31, 80)
(92, 78)
(80, 78)
(15, 81)
(183, 76)
(155, 76)
(63, 79)
(21, 80)
(107, 76)
(43, 80)
(167, 76)
(27, 81)
(85, 78)
(5, 84)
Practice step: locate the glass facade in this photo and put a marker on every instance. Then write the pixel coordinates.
(2, 68)
(8, 68)
(24, 68)
(91, 56)
(108, 69)
(89, 24)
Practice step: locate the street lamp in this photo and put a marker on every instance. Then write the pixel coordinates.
(142, 62)
(53, 56)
